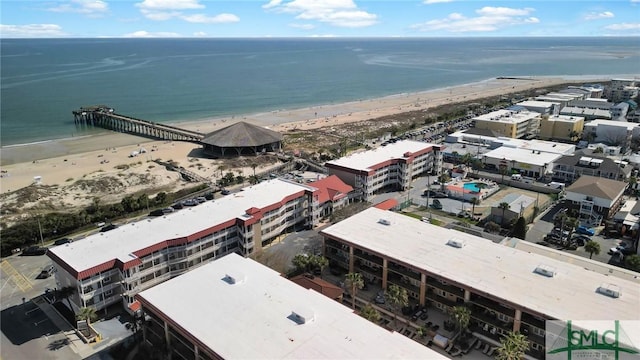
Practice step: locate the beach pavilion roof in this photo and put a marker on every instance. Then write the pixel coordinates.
(242, 134)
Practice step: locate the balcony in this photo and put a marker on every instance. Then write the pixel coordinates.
(448, 288)
(439, 299)
(369, 270)
(397, 280)
(530, 320)
(492, 305)
(367, 257)
(484, 316)
(398, 269)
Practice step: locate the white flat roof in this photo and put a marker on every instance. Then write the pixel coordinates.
(577, 110)
(121, 242)
(565, 118)
(524, 156)
(491, 268)
(252, 319)
(368, 159)
(534, 103)
(597, 122)
(508, 116)
(539, 145)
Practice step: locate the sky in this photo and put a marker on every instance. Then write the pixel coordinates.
(317, 18)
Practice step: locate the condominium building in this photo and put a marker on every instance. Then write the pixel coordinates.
(530, 163)
(569, 168)
(505, 288)
(611, 132)
(387, 167)
(510, 123)
(595, 199)
(541, 107)
(622, 90)
(111, 267)
(561, 127)
(236, 308)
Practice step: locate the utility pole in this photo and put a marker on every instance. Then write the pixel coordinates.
(40, 229)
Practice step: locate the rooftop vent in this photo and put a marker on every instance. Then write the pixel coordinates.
(456, 243)
(546, 270)
(384, 222)
(301, 316)
(610, 290)
(233, 278)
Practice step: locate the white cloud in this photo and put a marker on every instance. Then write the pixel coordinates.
(31, 31)
(489, 19)
(169, 4)
(87, 7)
(146, 34)
(623, 26)
(429, 2)
(600, 15)
(204, 19)
(342, 13)
(303, 26)
(199, 34)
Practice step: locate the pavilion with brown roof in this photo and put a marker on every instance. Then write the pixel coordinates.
(241, 138)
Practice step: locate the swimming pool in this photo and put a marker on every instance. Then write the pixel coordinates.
(473, 187)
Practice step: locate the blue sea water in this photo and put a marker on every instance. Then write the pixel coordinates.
(172, 80)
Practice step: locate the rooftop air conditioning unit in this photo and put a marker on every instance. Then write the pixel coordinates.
(610, 290)
(456, 243)
(545, 270)
(302, 316)
(384, 222)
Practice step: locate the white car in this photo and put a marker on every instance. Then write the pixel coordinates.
(620, 248)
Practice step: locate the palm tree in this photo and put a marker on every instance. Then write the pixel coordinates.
(503, 171)
(504, 206)
(370, 313)
(88, 314)
(513, 346)
(460, 315)
(355, 282)
(474, 201)
(398, 298)
(592, 247)
(301, 262)
(318, 262)
(65, 293)
(572, 223)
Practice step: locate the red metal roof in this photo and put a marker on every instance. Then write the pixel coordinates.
(387, 204)
(331, 188)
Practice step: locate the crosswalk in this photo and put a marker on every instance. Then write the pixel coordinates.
(20, 280)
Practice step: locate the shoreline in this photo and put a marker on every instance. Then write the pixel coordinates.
(287, 119)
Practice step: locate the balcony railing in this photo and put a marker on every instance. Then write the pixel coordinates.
(492, 305)
(404, 271)
(448, 288)
(368, 257)
(439, 299)
(484, 316)
(530, 320)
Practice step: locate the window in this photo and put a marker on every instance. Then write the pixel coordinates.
(106, 279)
(108, 292)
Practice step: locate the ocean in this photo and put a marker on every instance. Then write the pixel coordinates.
(172, 80)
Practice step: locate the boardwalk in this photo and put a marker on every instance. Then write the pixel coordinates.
(105, 117)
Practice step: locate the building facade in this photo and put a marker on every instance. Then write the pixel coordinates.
(611, 132)
(387, 167)
(561, 127)
(111, 267)
(622, 90)
(506, 289)
(510, 123)
(568, 169)
(595, 199)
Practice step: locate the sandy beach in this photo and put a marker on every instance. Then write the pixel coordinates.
(61, 162)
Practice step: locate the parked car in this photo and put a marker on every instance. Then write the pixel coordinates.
(34, 251)
(580, 240)
(190, 202)
(225, 192)
(108, 227)
(177, 206)
(585, 230)
(46, 272)
(436, 204)
(62, 241)
(201, 199)
(380, 298)
(622, 248)
(157, 212)
(209, 195)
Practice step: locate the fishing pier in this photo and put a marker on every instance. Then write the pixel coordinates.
(104, 117)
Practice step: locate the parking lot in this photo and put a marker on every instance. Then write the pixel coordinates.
(27, 332)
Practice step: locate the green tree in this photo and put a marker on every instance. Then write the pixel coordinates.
(443, 178)
(161, 198)
(355, 282)
(301, 262)
(88, 314)
(504, 206)
(503, 171)
(254, 166)
(239, 179)
(571, 223)
(513, 346)
(398, 298)
(592, 247)
(520, 228)
(492, 227)
(370, 313)
(460, 315)
(633, 262)
(318, 262)
(65, 293)
(598, 150)
(474, 201)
